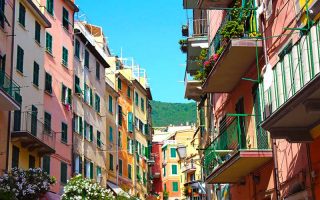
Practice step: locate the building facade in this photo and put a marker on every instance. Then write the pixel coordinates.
(254, 92)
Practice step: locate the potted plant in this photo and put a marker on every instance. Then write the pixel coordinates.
(183, 45)
(185, 30)
(165, 195)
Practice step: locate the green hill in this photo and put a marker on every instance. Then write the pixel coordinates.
(164, 114)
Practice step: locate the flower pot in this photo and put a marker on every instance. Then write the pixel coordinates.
(184, 48)
(185, 30)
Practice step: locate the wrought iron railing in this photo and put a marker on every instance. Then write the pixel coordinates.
(10, 87)
(31, 125)
(237, 132)
(199, 27)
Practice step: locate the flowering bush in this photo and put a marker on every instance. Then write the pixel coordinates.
(19, 184)
(79, 188)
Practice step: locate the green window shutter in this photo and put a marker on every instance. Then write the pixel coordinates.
(119, 84)
(175, 186)
(98, 138)
(174, 169)
(146, 152)
(91, 97)
(120, 167)
(142, 104)
(22, 15)
(36, 73)
(49, 43)
(128, 144)
(15, 156)
(98, 70)
(91, 133)
(63, 93)
(46, 164)
(50, 6)
(173, 152)
(110, 104)
(47, 122)
(146, 129)
(64, 132)
(48, 83)
(91, 170)
(37, 32)
(120, 115)
(65, 18)
(77, 48)
(99, 171)
(164, 171)
(129, 172)
(129, 92)
(120, 139)
(97, 102)
(110, 134)
(85, 129)
(2, 17)
(80, 126)
(110, 161)
(130, 122)
(34, 120)
(20, 57)
(65, 56)
(69, 96)
(86, 59)
(63, 172)
(136, 99)
(77, 87)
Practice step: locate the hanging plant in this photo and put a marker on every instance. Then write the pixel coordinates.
(183, 45)
(185, 30)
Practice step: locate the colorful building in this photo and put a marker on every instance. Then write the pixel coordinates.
(89, 102)
(257, 83)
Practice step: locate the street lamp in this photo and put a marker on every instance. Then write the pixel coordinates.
(182, 151)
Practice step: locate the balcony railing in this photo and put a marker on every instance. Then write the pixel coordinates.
(34, 134)
(188, 167)
(199, 27)
(243, 16)
(238, 132)
(10, 87)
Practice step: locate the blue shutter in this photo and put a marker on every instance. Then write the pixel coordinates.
(130, 122)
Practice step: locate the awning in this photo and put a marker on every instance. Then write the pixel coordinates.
(116, 189)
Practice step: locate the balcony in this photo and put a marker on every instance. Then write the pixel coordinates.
(237, 53)
(206, 4)
(34, 135)
(193, 88)
(9, 93)
(188, 167)
(195, 43)
(240, 148)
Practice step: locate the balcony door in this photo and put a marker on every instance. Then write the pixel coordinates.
(34, 117)
(241, 123)
(262, 137)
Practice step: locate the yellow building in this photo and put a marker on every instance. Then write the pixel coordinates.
(30, 137)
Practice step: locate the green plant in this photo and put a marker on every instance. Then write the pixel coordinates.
(232, 29)
(165, 195)
(220, 50)
(183, 41)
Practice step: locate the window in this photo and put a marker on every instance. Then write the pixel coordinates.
(164, 172)
(17, 120)
(49, 43)
(136, 98)
(63, 172)
(77, 49)
(32, 161)
(119, 84)
(48, 83)
(120, 115)
(88, 169)
(175, 186)
(66, 95)
(22, 15)
(98, 70)
(110, 104)
(64, 132)
(99, 143)
(37, 30)
(97, 103)
(120, 139)
(120, 167)
(129, 172)
(173, 152)
(110, 134)
(46, 164)
(129, 92)
(64, 56)
(2, 17)
(47, 122)
(15, 156)
(88, 131)
(110, 162)
(65, 18)
(88, 97)
(142, 104)
(99, 171)
(86, 59)
(129, 145)
(77, 87)
(77, 164)
(20, 56)
(50, 6)
(174, 169)
(77, 124)
(130, 122)
(35, 73)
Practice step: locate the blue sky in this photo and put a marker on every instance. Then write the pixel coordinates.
(149, 31)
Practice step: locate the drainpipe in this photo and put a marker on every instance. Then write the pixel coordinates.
(310, 170)
(11, 74)
(117, 138)
(135, 144)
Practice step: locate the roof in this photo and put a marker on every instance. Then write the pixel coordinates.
(71, 4)
(37, 12)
